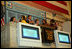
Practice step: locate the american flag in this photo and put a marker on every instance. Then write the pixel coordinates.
(59, 6)
(2, 16)
(2, 21)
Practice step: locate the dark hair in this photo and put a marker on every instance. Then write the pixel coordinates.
(12, 18)
(52, 20)
(44, 20)
(36, 20)
(23, 17)
(29, 15)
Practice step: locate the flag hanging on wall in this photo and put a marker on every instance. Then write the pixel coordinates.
(2, 21)
(2, 15)
(59, 6)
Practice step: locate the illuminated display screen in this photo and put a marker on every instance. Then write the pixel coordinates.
(30, 32)
(63, 38)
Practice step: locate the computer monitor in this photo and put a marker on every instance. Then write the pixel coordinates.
(29, 35)
(62, 39)
(30, 32)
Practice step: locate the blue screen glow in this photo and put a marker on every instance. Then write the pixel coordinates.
(30, 32)
(64, 38)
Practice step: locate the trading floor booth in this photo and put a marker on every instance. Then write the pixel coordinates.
(23, 35)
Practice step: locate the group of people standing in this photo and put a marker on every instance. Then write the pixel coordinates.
(28, 20)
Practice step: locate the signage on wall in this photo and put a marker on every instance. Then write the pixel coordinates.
(2, 2)
(8, 4)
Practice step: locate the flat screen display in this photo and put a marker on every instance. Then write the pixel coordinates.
(63, 38)
(30, 32)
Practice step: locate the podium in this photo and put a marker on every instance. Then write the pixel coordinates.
(9, 37)
(47, 33)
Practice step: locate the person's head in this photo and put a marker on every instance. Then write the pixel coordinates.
(13, 19)
(57, 23)
(29, 17)
(23, 17)
(44, 21)
(52, 21)
(37, 21)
